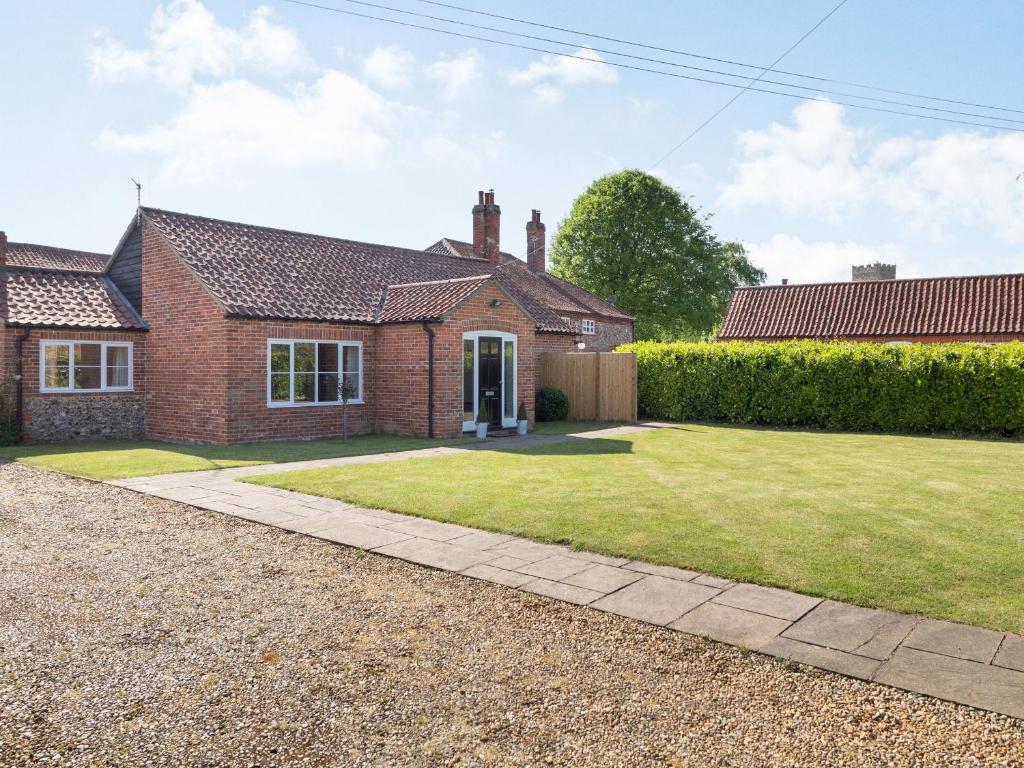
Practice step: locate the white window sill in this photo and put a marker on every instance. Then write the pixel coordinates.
(313, 405)
(109, 390)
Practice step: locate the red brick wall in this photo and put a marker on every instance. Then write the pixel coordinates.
(400, 378)
(477, 314)
(186, 351)
(250, 418)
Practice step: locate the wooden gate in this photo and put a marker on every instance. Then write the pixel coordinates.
(600, 385)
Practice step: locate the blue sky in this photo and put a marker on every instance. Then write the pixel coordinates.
(275, 114)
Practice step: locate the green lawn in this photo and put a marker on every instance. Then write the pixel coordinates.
(919, 524)
(117, 460)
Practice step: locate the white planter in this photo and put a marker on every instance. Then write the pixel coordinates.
(522, 426)
(481, 430)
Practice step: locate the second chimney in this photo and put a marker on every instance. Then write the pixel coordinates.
(877, 271)
(3, 249)
(487, 228)
(536, 243)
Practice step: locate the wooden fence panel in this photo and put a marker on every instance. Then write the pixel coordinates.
(601, 386)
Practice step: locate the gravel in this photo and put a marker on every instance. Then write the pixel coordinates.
(135, 631)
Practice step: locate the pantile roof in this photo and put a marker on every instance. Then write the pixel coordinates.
(272, 273)
(942, 306)
(29, 256)
(31, 297)
(427, 301)
(560, 295)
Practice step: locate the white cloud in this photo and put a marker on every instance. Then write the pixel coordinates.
(789, 256)
(587, 68)
(548, 94)
(185, 41)
(389, 67)
(476, 152)
(222, 127)
(822, 167)
(455, 73)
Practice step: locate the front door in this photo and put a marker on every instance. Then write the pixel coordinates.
(489, 360)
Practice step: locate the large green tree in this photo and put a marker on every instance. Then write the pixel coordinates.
(632, 236)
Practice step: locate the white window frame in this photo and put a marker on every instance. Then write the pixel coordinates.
(469, 426)
(586, 323)
(341, 343)
(45, 344)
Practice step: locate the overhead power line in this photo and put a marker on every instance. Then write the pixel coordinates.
(717, 60)
(730, 102)
(651, 60)
(649, 70)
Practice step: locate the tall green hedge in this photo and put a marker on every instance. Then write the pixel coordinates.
(970, 388)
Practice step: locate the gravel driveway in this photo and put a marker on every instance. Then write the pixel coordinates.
(135, 631)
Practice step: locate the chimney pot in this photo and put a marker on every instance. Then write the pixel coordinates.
(487, 228)
(3, 248)
(536, 243)
(785, 281)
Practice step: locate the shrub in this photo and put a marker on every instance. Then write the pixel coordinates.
(972, 388)
(552, 404)
(8, 420)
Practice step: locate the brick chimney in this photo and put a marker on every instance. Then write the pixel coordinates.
(487, 228)
(536, 243)
(876, 271)
(3, 249)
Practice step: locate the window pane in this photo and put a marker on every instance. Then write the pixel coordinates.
(510, 392)
(304, 387)
(280, 358)
(57, 376)
(87, 377)
(327, 358)
(467, 381)
(279, 388)
(351, 381)
(88, 354)
(351, 359)
(305, 360)
(57, 355)
(117, 376)
(328, 388)
(117, 356)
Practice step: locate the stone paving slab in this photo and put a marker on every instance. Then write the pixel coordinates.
(864, 631)
(959, 640)
(656, 600)
(969, 665)
(768, 600)
(966, 682)
(731, 625)
(1011, 653)
(844, 663)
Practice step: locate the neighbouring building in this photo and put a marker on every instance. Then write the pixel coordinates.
(877, 307)
(201, 330)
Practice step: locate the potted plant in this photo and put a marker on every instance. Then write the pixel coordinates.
(522, 421)
(482, 420)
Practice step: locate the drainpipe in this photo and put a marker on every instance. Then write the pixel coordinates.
(19, 342)
(430, 379)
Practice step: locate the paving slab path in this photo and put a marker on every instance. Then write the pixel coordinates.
(968, 665)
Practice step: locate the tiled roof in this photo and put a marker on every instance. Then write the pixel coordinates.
(565, 297)
(32, 256)
(427, 301)
(988, 304)
(272, 273)
(33, 297)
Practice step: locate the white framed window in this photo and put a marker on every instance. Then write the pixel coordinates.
(85, 366)
(303, 372)
(588, 326)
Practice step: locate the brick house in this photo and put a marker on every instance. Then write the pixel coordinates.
(876, 307)
(201, 330)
